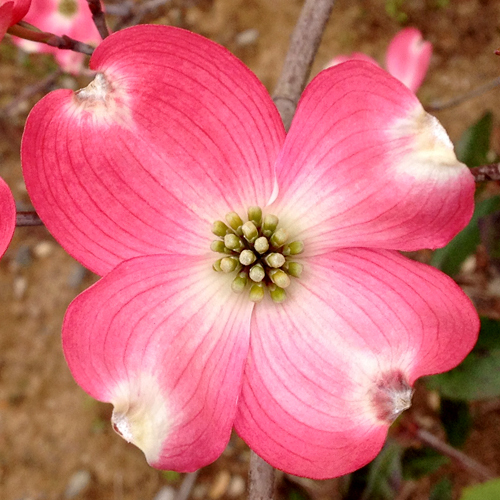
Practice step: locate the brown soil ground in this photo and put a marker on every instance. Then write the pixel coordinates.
(49, 429)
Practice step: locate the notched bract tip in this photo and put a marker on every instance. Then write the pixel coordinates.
(141, 415)
(105, 101)
(391, 396)
(98, 89)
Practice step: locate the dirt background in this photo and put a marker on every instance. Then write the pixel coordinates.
(55, 441)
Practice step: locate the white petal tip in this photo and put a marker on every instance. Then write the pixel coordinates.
(141, 416)
(429, 146)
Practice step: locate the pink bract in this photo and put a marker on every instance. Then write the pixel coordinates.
(61, 17)
(174, 132)
(11, 12)
(407, 58)
(7, 216)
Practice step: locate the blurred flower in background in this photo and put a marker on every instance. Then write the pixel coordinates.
(61, 17)
(407, 58)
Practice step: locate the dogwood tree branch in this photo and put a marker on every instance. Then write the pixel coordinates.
(187, 486)
(464, 460)
(29, 32)
(132, 14)
(98, 17)
(489, 172)
(29, 91)
(28, 219)
(260, 479)
(304, 44)
(455, 101)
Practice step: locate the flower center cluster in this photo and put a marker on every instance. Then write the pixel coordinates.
(258, 252)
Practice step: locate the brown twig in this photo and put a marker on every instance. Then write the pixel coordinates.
(260, 479)
(122, 9)
(304, 43)
(29, 32)
(484, 173)
(28, 92)
(28, 219)
(132, 14)
(186, 486)
(464, 460)
(481, 89)
(98, 17)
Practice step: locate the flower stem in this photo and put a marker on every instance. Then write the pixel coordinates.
(260, 479)
(304, 44)
(29, 32)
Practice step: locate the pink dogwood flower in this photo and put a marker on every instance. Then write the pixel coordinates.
(407, 58)
(7, 216)
(61, 17)
(251, 277)
(11, 12)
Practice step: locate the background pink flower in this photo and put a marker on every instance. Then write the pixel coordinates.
(61, 17)
(174, 134)
(7, 216)
(407, 58)
(11, 12)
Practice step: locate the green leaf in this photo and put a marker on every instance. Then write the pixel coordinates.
(420, 462)
(442, 490)
(478, 376)
(474, 145)
(450, 258)
(486, 491)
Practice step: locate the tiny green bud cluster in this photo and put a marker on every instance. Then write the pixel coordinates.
(258, 252)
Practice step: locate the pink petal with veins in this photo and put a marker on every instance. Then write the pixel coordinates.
(408, 57)
(173, 133)
(7, 215)
(364, 165)
(331, 367)
(168, 350)
(355, 56)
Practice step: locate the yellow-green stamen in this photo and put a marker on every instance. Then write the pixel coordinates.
(259, 252)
